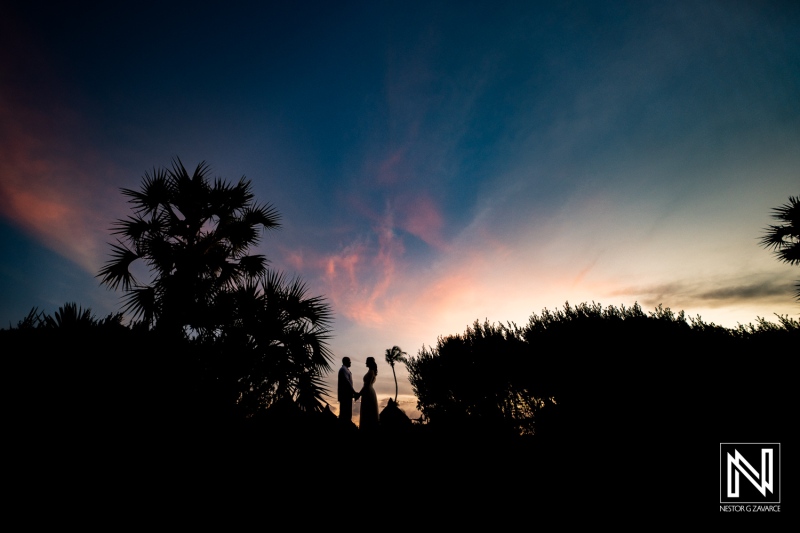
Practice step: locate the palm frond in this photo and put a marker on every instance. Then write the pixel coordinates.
(141, 303)
(272, 283)
(262, 215)
(227, 199)
(178, 171)
(226, 275)
(154, 192)
(135, 228)
(253, 265)
(789, 213)
(70, 315)
(310, 390)
(160, 254)
(34, 319)
(239, 233)
(790, 254)
(774, 236)
(395, 355)
(784, 239)
(321, 355)
(117, 269)
(201, 172)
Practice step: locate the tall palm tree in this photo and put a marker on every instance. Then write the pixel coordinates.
(784, 239)
(256, 337)
(193, 235)
(395, 355)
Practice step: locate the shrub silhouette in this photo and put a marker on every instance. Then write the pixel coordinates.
(587, 371)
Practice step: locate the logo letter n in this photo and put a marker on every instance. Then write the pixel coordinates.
(762, 482)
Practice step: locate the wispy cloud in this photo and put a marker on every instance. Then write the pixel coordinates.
(52, 188)
(420, 216)
(763, 289)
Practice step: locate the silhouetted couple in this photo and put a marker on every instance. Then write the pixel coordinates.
(369, 399)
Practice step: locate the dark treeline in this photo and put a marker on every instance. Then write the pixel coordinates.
(586, 371)
(575, 398)
(582, 370)
(76, 370)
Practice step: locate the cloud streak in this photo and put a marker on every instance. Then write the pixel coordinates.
(52, 194)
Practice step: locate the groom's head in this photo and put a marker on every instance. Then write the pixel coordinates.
(346, 361)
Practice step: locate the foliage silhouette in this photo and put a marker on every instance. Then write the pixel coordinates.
(68, 316)
(253, 336)
(784, 239)
(194, 235)
(92, 375)
(275, 346)
(630, 388)
(395, 355)
(468, 380)
(586, 371)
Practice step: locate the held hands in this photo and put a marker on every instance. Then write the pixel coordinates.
(356, 396)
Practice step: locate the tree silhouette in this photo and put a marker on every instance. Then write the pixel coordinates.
(69, 316)
(784, 239)
(252, 336)
(276, 345)
(586, 370)
(395, 355)
(459, 385)
(194, 235)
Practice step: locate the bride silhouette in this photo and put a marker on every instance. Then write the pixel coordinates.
(368, 419)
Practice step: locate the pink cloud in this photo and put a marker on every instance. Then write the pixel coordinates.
(359, 280)
(51, 185)
(39, 213)
(341, 269)
(422, 218)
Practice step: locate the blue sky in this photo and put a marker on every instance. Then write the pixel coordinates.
(434, 163)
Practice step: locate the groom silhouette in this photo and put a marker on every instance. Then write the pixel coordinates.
(346, 392)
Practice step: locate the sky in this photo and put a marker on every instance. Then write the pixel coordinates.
(434, 163)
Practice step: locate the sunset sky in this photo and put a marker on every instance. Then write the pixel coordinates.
(434, 163)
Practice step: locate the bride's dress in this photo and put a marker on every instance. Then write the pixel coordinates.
(369, 403)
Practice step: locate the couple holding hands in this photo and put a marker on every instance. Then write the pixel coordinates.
(368, 418)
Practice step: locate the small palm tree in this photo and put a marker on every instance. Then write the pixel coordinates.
(784, 239)
(395, 355)
(70, 315)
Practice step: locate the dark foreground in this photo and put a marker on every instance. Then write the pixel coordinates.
(287, 471)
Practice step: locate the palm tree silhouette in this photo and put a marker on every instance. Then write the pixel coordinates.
(256, 337)
(395, 355)
(194, 236)
(784, 239)
(283, 343)
(70, 315)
